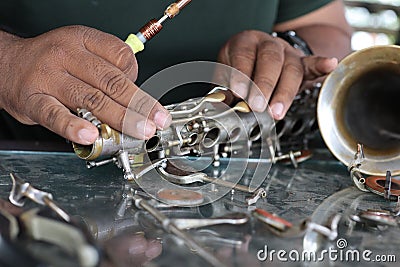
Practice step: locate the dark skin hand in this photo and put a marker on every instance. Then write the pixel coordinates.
(45, 77)
(130, 250)
(75, 67)
(278, 70)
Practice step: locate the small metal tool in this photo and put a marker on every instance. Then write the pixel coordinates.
(202, 177)
(91, 164)
(21, 189)
(234, 218)
(330, 232)
(153, 27)
(259, 193)
(388, 185)
(85, 114)
(289, 157)
(213, 238)
(145, 168)
(355, 174)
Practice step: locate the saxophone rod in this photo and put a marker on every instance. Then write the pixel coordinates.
(170, 227)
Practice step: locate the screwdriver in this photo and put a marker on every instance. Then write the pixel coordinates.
(153, 27)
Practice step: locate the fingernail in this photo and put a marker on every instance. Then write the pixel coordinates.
(146, 128)
(334, 61)
(277, 110)
(240, 89)
(87, 136)
(258, 104)
(162, 120)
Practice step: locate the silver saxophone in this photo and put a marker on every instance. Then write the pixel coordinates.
(200, 126)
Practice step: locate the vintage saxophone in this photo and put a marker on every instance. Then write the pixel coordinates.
(359, 118)
(200, 126)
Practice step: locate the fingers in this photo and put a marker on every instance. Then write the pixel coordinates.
(145, 117)
(112, 49)
(242, 57)
(116, 90)
(258, 56)
(144, 104)
(270, 63)
(289, 83)
(108, 92)
(100, 74)
(294, 73)
(240, 52)
(109, 66)
(50, 113)
(277, 70)
(316, 67)
(79, 67)
(138, 126)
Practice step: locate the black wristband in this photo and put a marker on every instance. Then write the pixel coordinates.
(294, 40)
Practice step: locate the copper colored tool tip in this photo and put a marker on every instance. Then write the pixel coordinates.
(174, 9)
(151, 29)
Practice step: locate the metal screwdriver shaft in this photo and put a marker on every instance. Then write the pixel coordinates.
(153, 27)
(170, 227)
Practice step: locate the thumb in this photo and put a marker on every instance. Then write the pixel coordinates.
(316, 66)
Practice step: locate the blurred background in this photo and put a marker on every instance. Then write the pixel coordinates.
(375, 22)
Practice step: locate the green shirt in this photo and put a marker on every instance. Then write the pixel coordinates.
(197, 33)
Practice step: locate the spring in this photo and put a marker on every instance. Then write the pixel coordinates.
(151, 29)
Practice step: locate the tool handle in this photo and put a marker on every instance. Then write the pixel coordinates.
(134, 42)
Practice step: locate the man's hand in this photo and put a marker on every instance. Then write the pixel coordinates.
(45, 77)
(276, 68)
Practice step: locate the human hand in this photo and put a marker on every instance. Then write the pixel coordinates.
(45, 77)
(130, 249)
(277, 69)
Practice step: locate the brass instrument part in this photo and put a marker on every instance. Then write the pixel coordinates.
(242, 107)
(358, 105)
(106, 131)
(215, 97)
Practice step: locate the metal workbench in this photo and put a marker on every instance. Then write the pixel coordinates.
(318, 189)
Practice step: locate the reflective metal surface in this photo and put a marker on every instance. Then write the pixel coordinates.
(358, 105)
(317, 190)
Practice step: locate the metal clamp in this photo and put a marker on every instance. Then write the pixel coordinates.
(355, 174)
(260, 193)
(21, 190)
